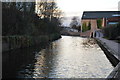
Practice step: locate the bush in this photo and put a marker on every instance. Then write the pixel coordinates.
(84, 27)
(99, 23)
(112, 31)
(89, 26)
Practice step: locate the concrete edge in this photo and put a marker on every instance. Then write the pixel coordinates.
(108, 53)
(112, 52)
(114, 73)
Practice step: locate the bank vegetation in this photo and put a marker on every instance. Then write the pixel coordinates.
(23, 25)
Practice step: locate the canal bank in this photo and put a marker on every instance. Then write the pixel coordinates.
(17, 55)
(111, 50)
(16, 42)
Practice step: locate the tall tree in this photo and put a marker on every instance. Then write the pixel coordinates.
(75, 23)
(48, 9)
(20, 19)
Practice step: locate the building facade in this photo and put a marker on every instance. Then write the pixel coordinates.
(92, 17)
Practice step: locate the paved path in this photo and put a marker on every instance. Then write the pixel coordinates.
(114, 47)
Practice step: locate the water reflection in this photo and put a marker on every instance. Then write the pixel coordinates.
(19, 59)
(74, 60)
(68, 57)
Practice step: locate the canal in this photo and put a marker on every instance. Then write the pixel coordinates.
(68, 57)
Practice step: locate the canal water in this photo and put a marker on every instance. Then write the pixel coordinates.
(68, 57)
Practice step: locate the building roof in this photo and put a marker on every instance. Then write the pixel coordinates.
(100, 14)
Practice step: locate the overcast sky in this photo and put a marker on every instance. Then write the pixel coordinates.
(76, 7)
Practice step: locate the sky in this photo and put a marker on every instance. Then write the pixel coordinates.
(76, 7)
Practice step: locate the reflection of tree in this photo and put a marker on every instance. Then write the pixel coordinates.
(75, 23)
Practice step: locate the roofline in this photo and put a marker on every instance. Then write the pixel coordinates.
(94, 12)
(91, 18)
(101, 11)
(100, 18)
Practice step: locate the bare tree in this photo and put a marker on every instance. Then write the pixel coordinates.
(48, 9)
(75, 23)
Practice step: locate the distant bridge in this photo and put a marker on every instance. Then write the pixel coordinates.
(69, 31)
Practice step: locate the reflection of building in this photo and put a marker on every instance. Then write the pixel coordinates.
(106, 17)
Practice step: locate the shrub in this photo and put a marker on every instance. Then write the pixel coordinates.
(84, 27)
(112, 31)
(89, 26)
(99, 23)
